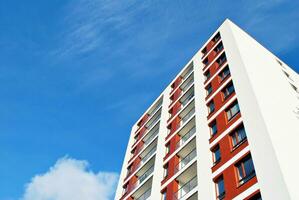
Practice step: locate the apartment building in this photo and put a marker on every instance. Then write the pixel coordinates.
(226, 127)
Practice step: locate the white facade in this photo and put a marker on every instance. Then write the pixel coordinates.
(265, 91)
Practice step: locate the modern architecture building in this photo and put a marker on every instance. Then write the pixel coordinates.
(226, 127)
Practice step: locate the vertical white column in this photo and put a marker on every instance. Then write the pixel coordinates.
(204, 159)
(265, 103)
(158, 171)
(123, 173)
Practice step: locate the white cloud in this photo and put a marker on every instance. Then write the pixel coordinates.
(70, 179)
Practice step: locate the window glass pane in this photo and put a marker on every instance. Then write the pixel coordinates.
(241, 134)
(234, 139)
(240, 171)
(231, 88)
(235, 109)
(220, 186)
(248, 166)
(217, 154)
(214, 128)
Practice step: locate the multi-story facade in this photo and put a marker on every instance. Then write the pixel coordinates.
(227, 127)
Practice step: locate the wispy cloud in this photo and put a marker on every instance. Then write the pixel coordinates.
(71, 179)
(88, 24)
(269, 23)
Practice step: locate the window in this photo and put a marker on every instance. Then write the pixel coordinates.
(125, 189)
(224, 73)
(213, 127)
(136, 138)
(245, 170)
(294, 87)
(216, 38)
(216, 154)
(129, 169)
(221, 60)
(207, 75)
(228, 90)
(220, 190)
(279, 62)
(205, 62)
(167, 148)
(286, 73)
(256, 197)
(164, 195)
(233, 110)
(204, 51)
(209, 89)
(218, 48)
(165, 170)
(238, 136)
(211, 107)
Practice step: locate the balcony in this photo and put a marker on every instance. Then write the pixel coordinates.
(184, 86)
(144, 191)
(145, 155)
(187, 84)
(150, 136)
(181, 130)
(188, 115)
(145, 195)
(186, 188)
(184, 102)
(145, 173)
(185, 137)
(153, 120)
(186, 159)
(155, 108)
(148, 139)
(187, 182)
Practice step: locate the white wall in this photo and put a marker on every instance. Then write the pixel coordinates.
(267, 102)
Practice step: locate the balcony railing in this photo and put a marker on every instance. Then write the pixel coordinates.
(187, 85)
(145, 195)
(149, 154)
(183, 103)
(187, 99)
(188, 115)
(153, 121)
(150, 138)
(143, 160)
(146, 174)
(184, 161)
(190, 70)
(141, 179)
(185, 189)
(184, 138)
(146, 142)
(156, 108)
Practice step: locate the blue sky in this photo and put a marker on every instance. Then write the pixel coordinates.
(76, 74)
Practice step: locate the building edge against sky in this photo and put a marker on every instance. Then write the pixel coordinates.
(225, 128)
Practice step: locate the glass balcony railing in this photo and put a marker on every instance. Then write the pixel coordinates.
(157, 107)
(146, 174)
(145, 195)
(185, 189)
(141, 179)
(143, 160)
(184, 161)
(150, 138)
(190, 70)
(185, 137)
(188, 115)
(153, 121)
(149, 154)
(187, 85)
(187, 99)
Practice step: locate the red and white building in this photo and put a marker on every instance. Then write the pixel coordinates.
(226, 127)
